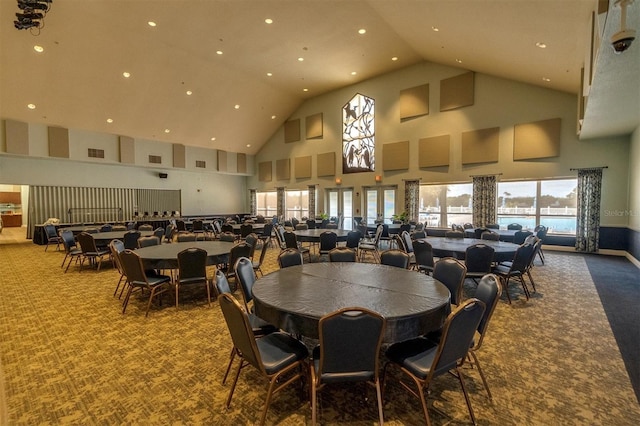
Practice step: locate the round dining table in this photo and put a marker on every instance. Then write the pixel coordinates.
(295, 298)
(165, 256)
(457, 247)
(313, 235)
(116, 235)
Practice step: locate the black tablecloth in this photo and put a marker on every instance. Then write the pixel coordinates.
(295, 298)
(165, 256)
(456, 247)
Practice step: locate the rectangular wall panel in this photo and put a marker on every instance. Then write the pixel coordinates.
(179, 156)
(457, 92)
(241, 166)
(414, 102)
(434, 151)
(283, 169)
(265, 171)
(222, 161)
(303, 167)
(540, 139)
(292, 131)
(17, 137)
(395, 156)
(127, 150)
(313, 126)
(58, 142)
(480, 146)
(326, 164)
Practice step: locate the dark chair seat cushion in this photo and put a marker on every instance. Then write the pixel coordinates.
(279, 350)
(416, 355)
(260, 326)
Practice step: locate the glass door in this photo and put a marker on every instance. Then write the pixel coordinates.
(380, 204)
(340, 205)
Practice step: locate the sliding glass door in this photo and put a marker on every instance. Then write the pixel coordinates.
(340, 205)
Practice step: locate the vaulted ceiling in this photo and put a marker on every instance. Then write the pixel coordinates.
(214, 73)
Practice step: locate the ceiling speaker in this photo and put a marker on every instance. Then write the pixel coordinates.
(163, 175)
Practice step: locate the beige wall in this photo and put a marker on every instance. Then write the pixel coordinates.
(498, 103)
(633, 211)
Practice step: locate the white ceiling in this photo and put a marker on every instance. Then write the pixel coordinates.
(77, 81)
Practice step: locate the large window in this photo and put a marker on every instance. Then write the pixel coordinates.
(444, 205)
(380, 204)
(296, 204)
(551, 203)
(267, 203)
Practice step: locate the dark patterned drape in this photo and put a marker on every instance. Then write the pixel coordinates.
(484, 200)
(253, 202)
(312, 201)
(280, 204)
(412, 199)
(588, 226)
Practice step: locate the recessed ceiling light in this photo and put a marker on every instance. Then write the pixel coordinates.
(167, 130)
(31, 106)
(109, 120)
(126, 74)
(353, 73)
(305, 90)
(459, 61)
(151, 23)
(268, 21)
(269, 74)
(236, 106)
(395, 58)
(273, 117)
(547, 79)
(436, 29)
(541, 45)
(362, 31)
(213, 139)
(301, 59)
(219, 52)
(248, 145)
(38, 49)
(189, 93)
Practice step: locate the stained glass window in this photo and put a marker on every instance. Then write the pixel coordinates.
(358, 135)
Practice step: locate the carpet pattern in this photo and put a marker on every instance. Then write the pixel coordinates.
(69, 356)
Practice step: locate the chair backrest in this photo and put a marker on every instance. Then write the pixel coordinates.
(385, 230)
(520, 236)
(192, 263)
(168, 232)
(379, 233)
(267, 230)
(116, 247)
(184, 236)
(394, 257)
(240, 329)
(221, 282)
(131, 239)
(241, 249)
(280, 236)
(423, 252)
(353, 239)
(132, 266)
(342, 254)
(246, 276)
(252, 240)
(350, 341)
(468, 225)
(418, 234)
(159, 233)
(87, 243)
(490, 236)
(107, 227)
(245, 229)
(50, 230)
(91, 230)
(397, 239)
(457, 334)
(408, 244)
(542, 232)
(119, 227)
(180, 226)
(290, 240)
(514, 227)
(148, 241)
(227, 227)
(493, 226)
(263, 252)
(478, 232)
(301, 227)
(289, 257)
(451, 272)
(488, 292)
(454, 234)
(328, 240)
(197, 225)
(479, 258)
(229, 237)
(311, 223)
(68, 240)
(145, 227)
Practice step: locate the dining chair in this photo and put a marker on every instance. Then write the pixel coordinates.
(169, 232)
(490, 236)
(186, 236)
(451, 273)
(274, 356)
(90, 251)
(265, 236)
(192, 270)
(289, 257)
(371, 246)
(348, 351)
(328, 241)
(479, 260)
(541, 232)
(514, 227)
(52, 236)
(515, 269)
(252, 240)
(71, 249)
(395, 257)
(137, 278)
(257, 264)
(148, 241)
(197, 227)
(423, 253)
(131, 239)
(145, 227)
(454, 234)
(241, 249)
(343, 254)
(520, 236)
(116, 247)
(422, 360)
(291, 241)
(353, 239)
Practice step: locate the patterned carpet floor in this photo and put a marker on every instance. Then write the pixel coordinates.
(69, 356)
